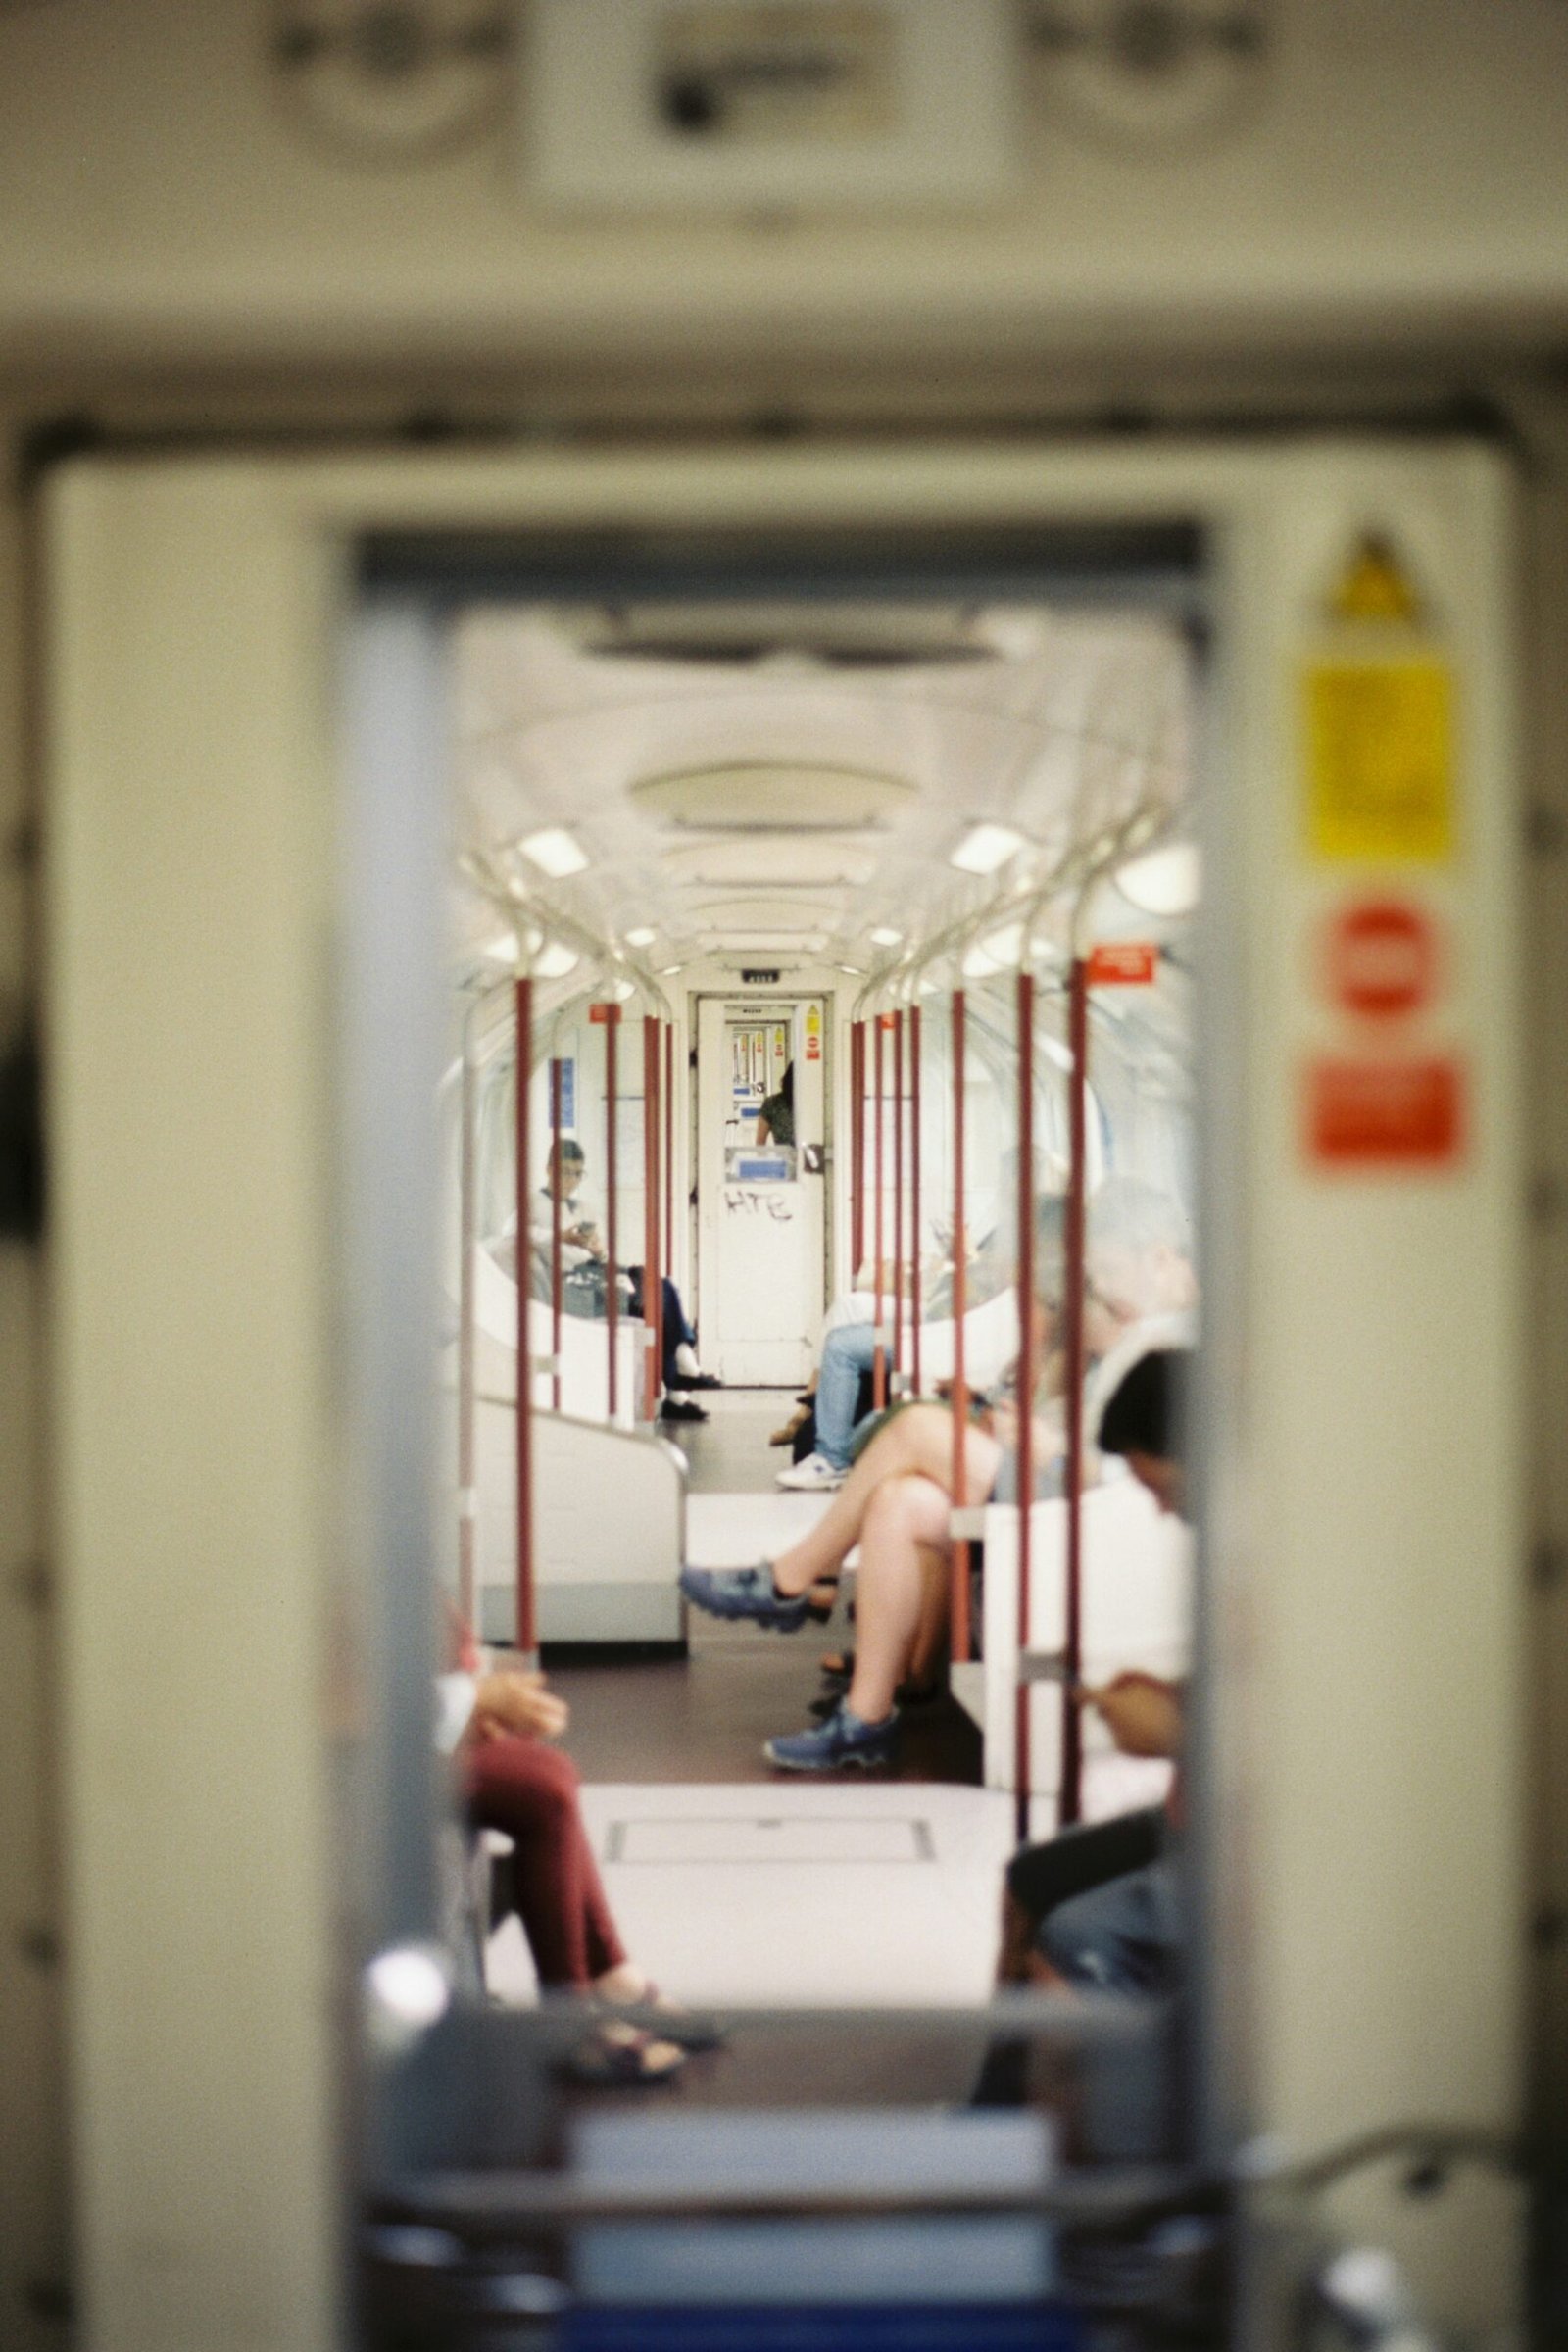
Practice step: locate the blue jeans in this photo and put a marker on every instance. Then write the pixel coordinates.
(1125, 1936)
(847, 1353)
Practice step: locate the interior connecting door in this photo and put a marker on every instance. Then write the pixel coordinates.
(760, 1207)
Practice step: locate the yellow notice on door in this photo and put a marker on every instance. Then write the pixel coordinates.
(1379, 780)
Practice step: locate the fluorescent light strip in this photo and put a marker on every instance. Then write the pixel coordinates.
(554, 852)
(1165, 881)
(985, 849)
(554, 960)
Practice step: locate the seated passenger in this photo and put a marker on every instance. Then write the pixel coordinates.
(1140, 1288)
(497, 1724)
(895, 1503)
(1100, 1904)
(849, 1347)
(584, 1259)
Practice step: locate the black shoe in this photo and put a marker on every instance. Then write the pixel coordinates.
(907, 1694)
(702, 1380)
(680, 1408)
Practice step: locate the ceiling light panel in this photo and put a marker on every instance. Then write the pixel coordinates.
(554, 852)
(986, 848)
(1167, 881)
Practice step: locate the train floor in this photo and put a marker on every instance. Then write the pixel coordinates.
(732, 1882)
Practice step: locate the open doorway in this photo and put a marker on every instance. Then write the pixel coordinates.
(820, 851)
(1358, 1487)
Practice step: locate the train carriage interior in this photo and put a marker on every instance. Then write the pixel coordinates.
(783, 1176)
(784, 921)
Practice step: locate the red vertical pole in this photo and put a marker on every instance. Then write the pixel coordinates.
(856, 1147)
(879, 1359)
(653, 1288)
(467, 1434)
(1076, 1240)
(669, 1146)
(898, 1190)
(611, 1017)
(527, 1642)
(557, 1271)
(915, 1196)
(960, 1635)
(1027, 1355)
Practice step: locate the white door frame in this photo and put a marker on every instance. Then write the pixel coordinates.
(1364, 1513)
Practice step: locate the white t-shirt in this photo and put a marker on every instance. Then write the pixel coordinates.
(578, 1207)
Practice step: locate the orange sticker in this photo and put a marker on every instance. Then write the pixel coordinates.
(1124, 963)
(1384, 1115)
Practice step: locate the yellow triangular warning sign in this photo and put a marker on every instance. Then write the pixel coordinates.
(1374, 586)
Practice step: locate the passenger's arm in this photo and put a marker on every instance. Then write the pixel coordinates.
(517, 1705)
(1143, 1714)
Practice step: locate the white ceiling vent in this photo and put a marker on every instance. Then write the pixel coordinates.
(810, 863)
(767, 915)
(771, 796)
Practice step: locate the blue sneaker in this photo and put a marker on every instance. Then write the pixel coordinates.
(746, 1593)
(839, 1745)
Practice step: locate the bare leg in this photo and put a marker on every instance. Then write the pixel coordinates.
(917, 1443)
(1017, 1940)
(931, 1634)
(903, 1535)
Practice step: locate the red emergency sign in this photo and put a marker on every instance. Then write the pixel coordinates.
(1384, 1115)
(1382, 958)
(1124, 963)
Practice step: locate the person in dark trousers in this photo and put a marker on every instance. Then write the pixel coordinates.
(1098, 1905)
(582, 1245)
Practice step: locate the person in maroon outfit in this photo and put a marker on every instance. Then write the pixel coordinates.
(514, 1782)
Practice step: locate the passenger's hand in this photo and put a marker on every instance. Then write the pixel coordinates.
(1143, 1715)
(519, 1705)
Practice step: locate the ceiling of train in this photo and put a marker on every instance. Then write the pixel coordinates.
(791, 783)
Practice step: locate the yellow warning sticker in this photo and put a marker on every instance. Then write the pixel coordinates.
(1380, 761)
(1374, 585)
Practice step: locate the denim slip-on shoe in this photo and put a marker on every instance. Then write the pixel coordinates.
(841, 1744)
(746, 1593)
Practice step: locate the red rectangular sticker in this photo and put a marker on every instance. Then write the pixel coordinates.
(603, 1013)
(1124, 963)
(1384, 1115)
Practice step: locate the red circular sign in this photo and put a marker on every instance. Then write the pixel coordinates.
(1382, 958)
